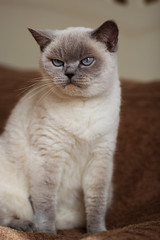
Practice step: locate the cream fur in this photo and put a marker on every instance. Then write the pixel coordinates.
(61, 138)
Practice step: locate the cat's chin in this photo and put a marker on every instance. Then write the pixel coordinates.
(71, 90)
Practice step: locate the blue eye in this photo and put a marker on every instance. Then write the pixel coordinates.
(57, 63)
(87, 61)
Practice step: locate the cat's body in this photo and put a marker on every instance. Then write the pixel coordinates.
(56, 153)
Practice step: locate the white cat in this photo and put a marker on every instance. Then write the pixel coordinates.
(56, 153)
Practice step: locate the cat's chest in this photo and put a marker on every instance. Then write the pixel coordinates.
(82, 120)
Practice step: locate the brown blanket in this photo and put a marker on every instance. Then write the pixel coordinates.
(135, 211)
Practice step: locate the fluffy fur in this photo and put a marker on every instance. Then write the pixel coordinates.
(56, 153)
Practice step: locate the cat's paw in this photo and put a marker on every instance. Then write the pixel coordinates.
(45, 224)
(23, 225)
(47, 228)
(50, 231)
(95, 229)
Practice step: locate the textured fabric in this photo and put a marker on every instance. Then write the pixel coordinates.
(135, 211)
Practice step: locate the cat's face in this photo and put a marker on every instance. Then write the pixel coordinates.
(77, 61)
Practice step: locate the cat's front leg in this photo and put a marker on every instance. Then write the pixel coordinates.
(43, 203)
(44, 212)
(97, 190)
(43, 193)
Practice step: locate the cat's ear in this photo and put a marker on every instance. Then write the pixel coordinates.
(107, 33)
(42, 37)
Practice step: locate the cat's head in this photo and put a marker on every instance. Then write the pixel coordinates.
(79, 61)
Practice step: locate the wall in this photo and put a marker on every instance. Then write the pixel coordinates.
(139, 41)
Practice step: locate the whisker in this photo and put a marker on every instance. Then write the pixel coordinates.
(46, 94)
(38, 85)
(35, 91)
(35, 82)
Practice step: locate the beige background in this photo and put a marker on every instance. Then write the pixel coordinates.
(139, 41)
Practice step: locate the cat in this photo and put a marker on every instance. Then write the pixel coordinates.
(57, 149)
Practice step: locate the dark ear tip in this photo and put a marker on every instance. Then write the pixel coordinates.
(111, 23)
(107, 33)
(31, 30)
